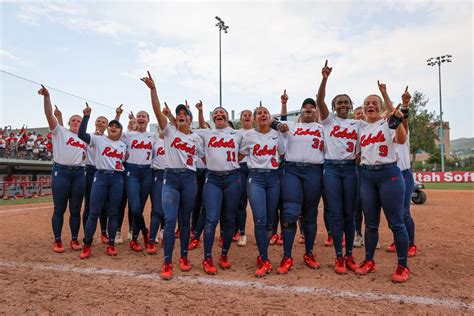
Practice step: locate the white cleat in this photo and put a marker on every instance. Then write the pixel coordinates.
(242, 242)
(358, 241)
(118, 238)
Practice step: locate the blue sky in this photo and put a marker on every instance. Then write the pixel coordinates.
(99, 50)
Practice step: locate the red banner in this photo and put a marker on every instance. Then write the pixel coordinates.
(454, 176)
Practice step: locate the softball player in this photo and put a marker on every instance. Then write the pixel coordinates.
(403, 154)
(340, 175)
(68, 181)
(222, 186)
(107, 183)
(302, 182)
(263, 146)
(182, 147)
(382, 183)
(199, 211)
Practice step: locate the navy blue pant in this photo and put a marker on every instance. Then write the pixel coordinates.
(139, 184)
(123, 206)
(106, 187)
(358, 207)
(302, 186)
(67, 185)
(179, 195)
(241, 219)
(221, 198)
(263, 190)
(327, 223)
(199, 211)
(409, 223)
(340, 179)
(278, 216)
(384, 188)
(157, 217)
(90, 171)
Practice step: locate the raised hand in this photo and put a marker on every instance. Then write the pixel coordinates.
(396, 112)
(284, 97)
(43, 91)
(406, 97)
(119, 110)
(260, 103)
(57, 113)
(87, 110)
(131, 116)
(186, 103)
(148, 81)
(199, 105)
(382, 87)
(283, 127)
(166, 111)
(326, 71)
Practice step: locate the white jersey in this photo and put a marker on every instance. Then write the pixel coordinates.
(341, 137)
(243, 132)
(200, 164)
(403, 154)
(263, 150)
(139, 147)
(90, 155)
(109, 153)
(182, 150)
(68, 148)
(377, 145)
(304, 142)
(221, 148)
(159, 157)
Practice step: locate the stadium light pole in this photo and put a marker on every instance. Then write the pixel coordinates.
(433, 61)
(222, 27)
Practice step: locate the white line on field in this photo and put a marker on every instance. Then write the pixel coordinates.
(25, 209)
(362, 296)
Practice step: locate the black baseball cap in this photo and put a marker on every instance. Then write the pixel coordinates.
(185, 108)
(116, 123)
(310, 101)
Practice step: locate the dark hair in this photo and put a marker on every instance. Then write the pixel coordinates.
(231, 125)
(333, 103)
(242, 113)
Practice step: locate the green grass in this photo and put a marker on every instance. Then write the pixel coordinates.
(26, 201)
(450, 186)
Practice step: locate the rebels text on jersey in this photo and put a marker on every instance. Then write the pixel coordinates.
(159, 158)
(263, 150)
(341, 137)
(68, 148)
(221, 148)
(139, 147)
(182, 150)
(304, 142)
(377, 145)
(110, 154)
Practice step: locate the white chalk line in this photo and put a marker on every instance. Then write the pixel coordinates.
(25, 209)
(362, 296)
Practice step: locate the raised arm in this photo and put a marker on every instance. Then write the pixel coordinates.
(323, 108)
(118, 112)
(83, 127)
(284, 101)
(48, 108)
(155, 102)
(406, 98)
(58, 115)
(202, 121)
(400, 132)
(386, 99)
(167, 112)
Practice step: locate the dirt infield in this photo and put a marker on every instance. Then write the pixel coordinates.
(35, 280)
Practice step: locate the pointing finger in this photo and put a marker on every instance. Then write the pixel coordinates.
(120, 106)
(326, 63)
(87, 105)
(166, 106)
(149, 75)
(186, 102)
(260, 102)
(56, 107)
(406, 89)
(378, 82)
(284, 92)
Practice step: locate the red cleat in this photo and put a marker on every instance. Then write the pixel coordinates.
(58, 247)
(236, 237)
(401, 275)
(350, 263)
(184, 264)
(311, 261)
(135, 246)
(412, 251)
(340, 266)
(263, 269)
(301, 239)
(194, 244)
(166, 271)
(104, 239)
(224, 262)
(365, 267)
(285, 265)
(391, 248)
(111, 251)
(329, 242)
(75, 245)
(209, 267)
(151, 248)
(280, 240)
(259, 260)
(86, 252)
(274, 239)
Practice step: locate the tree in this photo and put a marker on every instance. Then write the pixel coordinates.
(423, 132)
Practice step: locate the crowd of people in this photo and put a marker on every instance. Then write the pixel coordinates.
(24, 144)
(198, 178)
